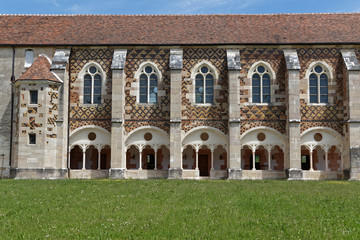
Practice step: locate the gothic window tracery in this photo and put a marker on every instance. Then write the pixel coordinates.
(261, 82)
(204, 85)
(318, 84)
(92, 86)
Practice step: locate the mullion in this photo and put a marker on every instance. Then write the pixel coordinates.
(148, 87)
(204, 87)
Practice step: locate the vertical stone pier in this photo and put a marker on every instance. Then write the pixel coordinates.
(352, 121)
(292, 159)
(234, 149)
(176, 65)
(118, 156)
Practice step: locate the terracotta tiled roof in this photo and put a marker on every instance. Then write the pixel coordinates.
(39, 70)
(179, 29)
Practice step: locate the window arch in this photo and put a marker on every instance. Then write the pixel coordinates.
(92, 85)
(149, 77)
(204, 84)
(318, 83)
(261, 83)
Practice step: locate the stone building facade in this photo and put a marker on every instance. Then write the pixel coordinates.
(180, 97)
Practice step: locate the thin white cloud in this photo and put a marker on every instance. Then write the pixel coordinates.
(55, 3)
(204, 6)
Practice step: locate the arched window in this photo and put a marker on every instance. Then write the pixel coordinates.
(148, 84)
(318, 84)
(92, 86)
(261, 85)
(204, 85)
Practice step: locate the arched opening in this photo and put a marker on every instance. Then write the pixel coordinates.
(132, 158)
(91, 150)
(334, 158)
(91, 158)
(188, 156)
(321, 151)
(204, 161)
(220, 158)
(105, 158)
(263, 149)
(163, 158)
(204, 153)
(76, 158)
(277, 158)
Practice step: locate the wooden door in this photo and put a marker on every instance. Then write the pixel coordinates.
(204, 165)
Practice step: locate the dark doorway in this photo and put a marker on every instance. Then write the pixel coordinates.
(150, 161)
(204, 165)
(305, 162)
(257, 162)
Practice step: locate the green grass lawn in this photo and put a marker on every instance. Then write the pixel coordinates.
(158, 209)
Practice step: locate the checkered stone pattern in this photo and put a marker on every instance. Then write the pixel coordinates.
(33, 117)
(222, 125)
(83, 115)
(138, 115)
(52, 115)
(255, 115)
(332, 114)
(216, 115)
(277, 125)
(77, 123)
(54, 96)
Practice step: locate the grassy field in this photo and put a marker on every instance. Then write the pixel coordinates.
(158, 209)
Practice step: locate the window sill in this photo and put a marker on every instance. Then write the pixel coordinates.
(319, 104)
(147, 104)
(91, 105)
(260, 104)
(204, 104)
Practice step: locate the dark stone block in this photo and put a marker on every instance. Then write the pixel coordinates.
(347, 174)
(355, 158)
(175, 173)
(118, 173)
(234, 174)
(294, 174)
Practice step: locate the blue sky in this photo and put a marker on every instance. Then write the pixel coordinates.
(176, 6)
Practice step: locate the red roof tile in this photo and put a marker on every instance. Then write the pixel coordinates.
(39, 70)
(179, 29)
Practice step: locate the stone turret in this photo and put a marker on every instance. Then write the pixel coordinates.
(37, 104)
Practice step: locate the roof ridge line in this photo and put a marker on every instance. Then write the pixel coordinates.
(175, 15)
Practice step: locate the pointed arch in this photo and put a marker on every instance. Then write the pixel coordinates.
(204, 77)
(92, 84)
(148, 77)
(262, 78)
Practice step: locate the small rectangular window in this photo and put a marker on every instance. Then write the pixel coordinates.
(29, 58)
(32, 138)
(33, 97)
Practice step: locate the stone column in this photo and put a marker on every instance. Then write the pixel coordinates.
(352, 146)
(311, 160)
(176, 65)
(292, 158)
(326, 159)
(84, 157)
(268, 148)
(234, 153)
(140, 159)
(118, 150)
(197, 159)
(155, 167)
(99, 158)
(212, 158)
(253, 159)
